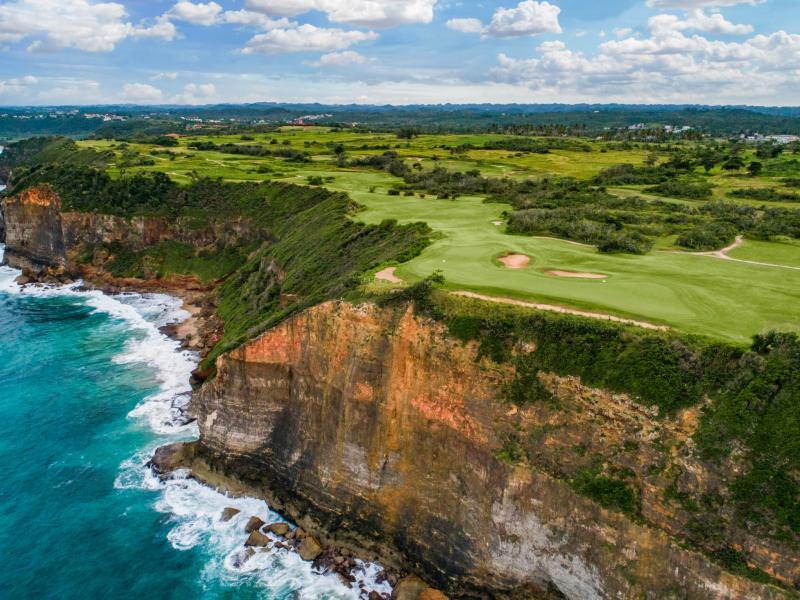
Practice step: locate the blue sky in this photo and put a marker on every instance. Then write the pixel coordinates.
(400, 51)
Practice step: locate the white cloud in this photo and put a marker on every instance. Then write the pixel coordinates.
(696, 20)
(81, 24)
(466, 25)
(18, 84)
(670, 66)
(196, 13)
(528, 18)
(254, 19)
(306, 38)
(700, 3)
(338, 59)
(367, 13)
(171, 75)
(623, 32)
(140, 93)
(197, 93)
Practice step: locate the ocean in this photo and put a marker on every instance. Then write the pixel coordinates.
(89, 387)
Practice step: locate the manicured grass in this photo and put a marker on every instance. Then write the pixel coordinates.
(702, 295)
(694, 294)
(779, 253)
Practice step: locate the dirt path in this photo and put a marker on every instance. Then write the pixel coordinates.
(563, 310)
(723, 254)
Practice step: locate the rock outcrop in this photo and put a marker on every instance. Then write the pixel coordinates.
(33, 231)
(374, 428)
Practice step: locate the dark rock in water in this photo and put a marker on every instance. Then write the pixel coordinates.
(229, 513)
(253, 524)
(309, 548)
(242, 557)
(280, 529)
(257, 539)
(181, 405)
(23, 280)
(172, 457)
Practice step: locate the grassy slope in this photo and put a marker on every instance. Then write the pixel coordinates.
(722, 299)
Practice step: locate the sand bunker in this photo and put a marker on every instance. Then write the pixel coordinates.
(515, 261)
(574, 275)
(388, 275)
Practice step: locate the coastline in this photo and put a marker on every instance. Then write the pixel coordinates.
(195, 503)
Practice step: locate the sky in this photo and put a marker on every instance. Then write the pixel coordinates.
(399, 51)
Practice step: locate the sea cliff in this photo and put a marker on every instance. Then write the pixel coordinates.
(379, 428)
(488, 463)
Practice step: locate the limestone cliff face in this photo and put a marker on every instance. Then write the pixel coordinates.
(33, 235)
(372, 425)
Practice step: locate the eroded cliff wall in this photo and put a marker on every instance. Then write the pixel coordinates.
(376, 427)
(33, 235)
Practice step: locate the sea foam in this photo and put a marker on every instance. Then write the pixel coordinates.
(193, 509)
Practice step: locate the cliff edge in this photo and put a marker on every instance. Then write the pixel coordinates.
(378, 428)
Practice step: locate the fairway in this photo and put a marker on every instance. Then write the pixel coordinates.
(694, 294)
(722, 299)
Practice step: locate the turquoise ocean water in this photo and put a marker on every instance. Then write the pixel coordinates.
(88, 388)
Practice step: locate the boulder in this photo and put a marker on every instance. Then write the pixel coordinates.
(254, 524)
(172, 457)
(257, 540)
(413, 588)
(279, 528)
(309, 548)
(228, 514)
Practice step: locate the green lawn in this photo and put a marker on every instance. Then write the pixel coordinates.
(779, 253)
(696, 294)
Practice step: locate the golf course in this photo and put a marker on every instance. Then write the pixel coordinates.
(756, 289)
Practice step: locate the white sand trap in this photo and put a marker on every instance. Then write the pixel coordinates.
(575, 275)
(388, 275)
(497, 223)
(515, 261)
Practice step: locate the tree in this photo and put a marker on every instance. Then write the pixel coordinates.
(734, 163)
(755, 168)
(407, 133)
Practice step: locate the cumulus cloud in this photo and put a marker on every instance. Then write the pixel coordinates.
(140, 93)
(700, 3)
(306, 38)
(197, 93)
(367, 13)
(670, 66)
(196, 13)
(81, 24)
(696, 20)
(18, 84)
(466, 25)
(338, 59)
(528, 18)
